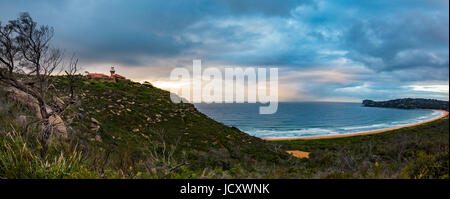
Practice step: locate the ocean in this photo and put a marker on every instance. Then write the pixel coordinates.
(303, 119)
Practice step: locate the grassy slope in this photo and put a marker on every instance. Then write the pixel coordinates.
(143, 134)
(415, 152)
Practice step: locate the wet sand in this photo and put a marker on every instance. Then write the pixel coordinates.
(444, 114)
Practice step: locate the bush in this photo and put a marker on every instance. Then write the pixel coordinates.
(428, 166)
(20, 160)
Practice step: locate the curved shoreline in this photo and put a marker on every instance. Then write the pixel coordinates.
(444, 114)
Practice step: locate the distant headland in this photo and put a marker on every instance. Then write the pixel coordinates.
(409, 103)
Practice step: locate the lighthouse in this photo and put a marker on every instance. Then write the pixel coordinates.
(112, 71)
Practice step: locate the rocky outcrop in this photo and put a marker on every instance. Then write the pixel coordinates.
(58, 128)
(95, 125)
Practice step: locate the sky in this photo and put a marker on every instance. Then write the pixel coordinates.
(338, 50)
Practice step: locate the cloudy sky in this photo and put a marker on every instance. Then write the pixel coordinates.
(338, 50)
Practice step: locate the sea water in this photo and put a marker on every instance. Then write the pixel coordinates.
(303, 119)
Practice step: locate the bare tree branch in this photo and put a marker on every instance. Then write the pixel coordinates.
(27, 59)
(71, 73)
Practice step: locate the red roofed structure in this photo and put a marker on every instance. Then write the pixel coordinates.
(103, 77)
(117, 76)
(96, 75)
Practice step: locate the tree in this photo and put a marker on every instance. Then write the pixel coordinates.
(8, 51)
(27, 60)
(71, 73)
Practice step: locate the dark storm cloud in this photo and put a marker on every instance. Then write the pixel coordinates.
(416, 40)
(120, 30)
(396, 43)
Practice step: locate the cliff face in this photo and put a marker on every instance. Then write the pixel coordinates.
(409, 103)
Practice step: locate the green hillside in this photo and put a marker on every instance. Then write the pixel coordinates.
(130, 130)
(134, 130)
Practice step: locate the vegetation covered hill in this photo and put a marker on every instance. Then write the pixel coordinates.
(130, 130)
(134, 130)
(409, 103)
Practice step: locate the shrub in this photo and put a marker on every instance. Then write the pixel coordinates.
(20, 160)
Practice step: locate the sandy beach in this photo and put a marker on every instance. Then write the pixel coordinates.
(444, 114)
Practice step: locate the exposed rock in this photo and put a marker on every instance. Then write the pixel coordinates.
(25, 99)
(93, 120)
(145, 136)
(95, 128)
(54, 121)
(22, 120)
(58, 125)
(98, 138)
(59, 102)
(95, 125)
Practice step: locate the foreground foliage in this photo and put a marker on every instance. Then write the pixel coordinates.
(420, 152)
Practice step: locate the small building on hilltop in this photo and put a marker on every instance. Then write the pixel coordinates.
(96, 75)
(103, 77)
(114, 75)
